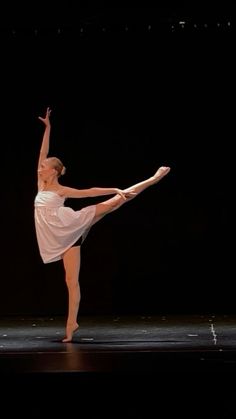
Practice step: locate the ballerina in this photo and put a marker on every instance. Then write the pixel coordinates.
(60, 230)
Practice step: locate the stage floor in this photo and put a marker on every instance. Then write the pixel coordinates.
(125, 343)
(183, 364)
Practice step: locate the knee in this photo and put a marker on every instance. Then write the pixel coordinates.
(71, 281)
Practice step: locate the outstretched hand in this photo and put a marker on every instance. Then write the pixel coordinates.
(127, 194)
(46, 119)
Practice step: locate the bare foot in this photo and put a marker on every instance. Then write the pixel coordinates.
(161, 172)
(70, 329)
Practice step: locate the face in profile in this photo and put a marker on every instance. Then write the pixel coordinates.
(46, 170)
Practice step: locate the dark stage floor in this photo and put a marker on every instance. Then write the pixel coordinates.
(128, 366)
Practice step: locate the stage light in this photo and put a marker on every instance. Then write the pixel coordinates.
(182, 24)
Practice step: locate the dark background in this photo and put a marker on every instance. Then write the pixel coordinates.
(130, 89)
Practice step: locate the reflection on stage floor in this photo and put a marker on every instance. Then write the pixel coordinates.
(121, 366)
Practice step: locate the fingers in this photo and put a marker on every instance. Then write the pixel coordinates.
(122, 195)
(48, 112)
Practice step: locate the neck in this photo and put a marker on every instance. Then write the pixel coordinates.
(51, 183)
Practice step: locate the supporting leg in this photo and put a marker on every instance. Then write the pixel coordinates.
(71, 260)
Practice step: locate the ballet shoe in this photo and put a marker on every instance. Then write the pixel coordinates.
(69, 333)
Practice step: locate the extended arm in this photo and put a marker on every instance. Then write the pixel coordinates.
(91, 192)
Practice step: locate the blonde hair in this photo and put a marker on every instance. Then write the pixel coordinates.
(57, 165)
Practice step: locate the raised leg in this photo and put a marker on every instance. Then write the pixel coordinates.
(117, 201)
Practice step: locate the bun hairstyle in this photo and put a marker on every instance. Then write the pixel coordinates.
(63, 171)
(57, 165)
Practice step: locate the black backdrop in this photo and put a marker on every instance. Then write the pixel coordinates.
(127, 96)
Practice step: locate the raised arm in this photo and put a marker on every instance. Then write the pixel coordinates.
(44, 150)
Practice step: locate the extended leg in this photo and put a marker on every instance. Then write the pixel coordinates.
(114, 203)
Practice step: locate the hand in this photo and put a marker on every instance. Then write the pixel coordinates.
(120, 192)
(128, 194)
(46, 119)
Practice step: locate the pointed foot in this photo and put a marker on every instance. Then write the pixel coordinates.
(70, 330)
(161, 172)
